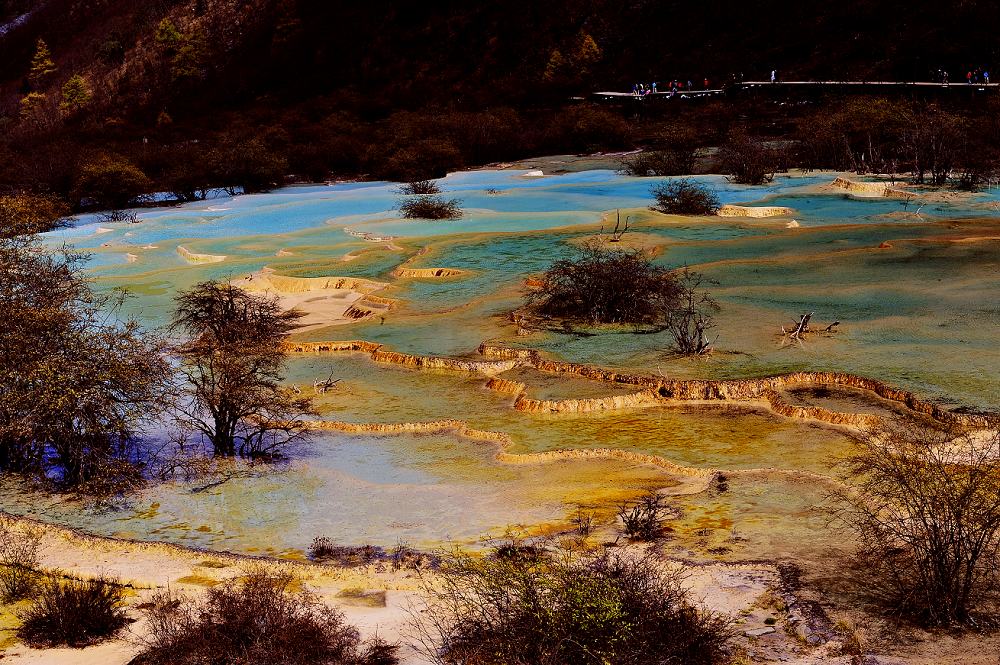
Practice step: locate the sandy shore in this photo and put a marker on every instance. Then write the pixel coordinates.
(734, 589)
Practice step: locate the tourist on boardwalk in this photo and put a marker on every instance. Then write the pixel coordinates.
(986, 76)
(706, 83)
(968, 77)
(774, 76)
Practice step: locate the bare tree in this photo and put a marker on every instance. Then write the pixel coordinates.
(932, 139)
(924, 505)
(748, 160)
(691, 318)
(233, 362)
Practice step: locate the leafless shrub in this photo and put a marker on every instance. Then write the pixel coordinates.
(684, 197)
(669, 162)
(748, 160)
(324, 549)
(258, 618)
(583, 522)
(691, 319)
(562, 608)
(420, 187)
(19, 560)
(925, 509)
(643, 519)
(74, 613)
(430, 207)
(113, 216)
(601, 285)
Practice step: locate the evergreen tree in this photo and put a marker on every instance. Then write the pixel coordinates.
(33, 108)
(168, 35)
(42, 66)
(555, 67)
(76, 94)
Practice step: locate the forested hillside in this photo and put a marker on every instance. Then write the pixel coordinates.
(264, 88)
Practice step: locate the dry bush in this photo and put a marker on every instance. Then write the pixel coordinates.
(255, 619)
(74, 613)
(601, 285)
(748, 160)
(690, 321)
(28, 214)
(643, 519)
(430, 207)
(19, 560)
(420, 187)
(562, 608)
(583, 523)
(924, 506)
(670, 162)
(324, 549)
(684, 197)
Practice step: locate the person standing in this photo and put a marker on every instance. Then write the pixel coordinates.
(968, 77)
(774, 76)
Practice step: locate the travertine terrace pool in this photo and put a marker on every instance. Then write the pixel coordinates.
(920, 313)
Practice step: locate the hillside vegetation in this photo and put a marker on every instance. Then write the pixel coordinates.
(242, 93)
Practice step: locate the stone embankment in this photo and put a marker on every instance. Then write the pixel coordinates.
(435, 362)
(427, 273)
(657, 390)
(503, 441)
(504, 386)
(753, 211)
(640, 399)
(488, 367)
(873, 189)
(430, 427)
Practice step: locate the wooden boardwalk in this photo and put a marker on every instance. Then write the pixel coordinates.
(859, 87)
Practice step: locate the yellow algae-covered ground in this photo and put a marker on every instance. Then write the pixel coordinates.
(432, 439)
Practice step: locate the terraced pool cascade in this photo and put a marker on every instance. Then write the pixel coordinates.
(432, 454)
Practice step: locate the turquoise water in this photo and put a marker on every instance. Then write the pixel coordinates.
(920, 312)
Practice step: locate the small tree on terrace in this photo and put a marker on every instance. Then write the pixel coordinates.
(233, 363)
(925, 507)
(691, 319)
(602, 285)
(684, 197)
